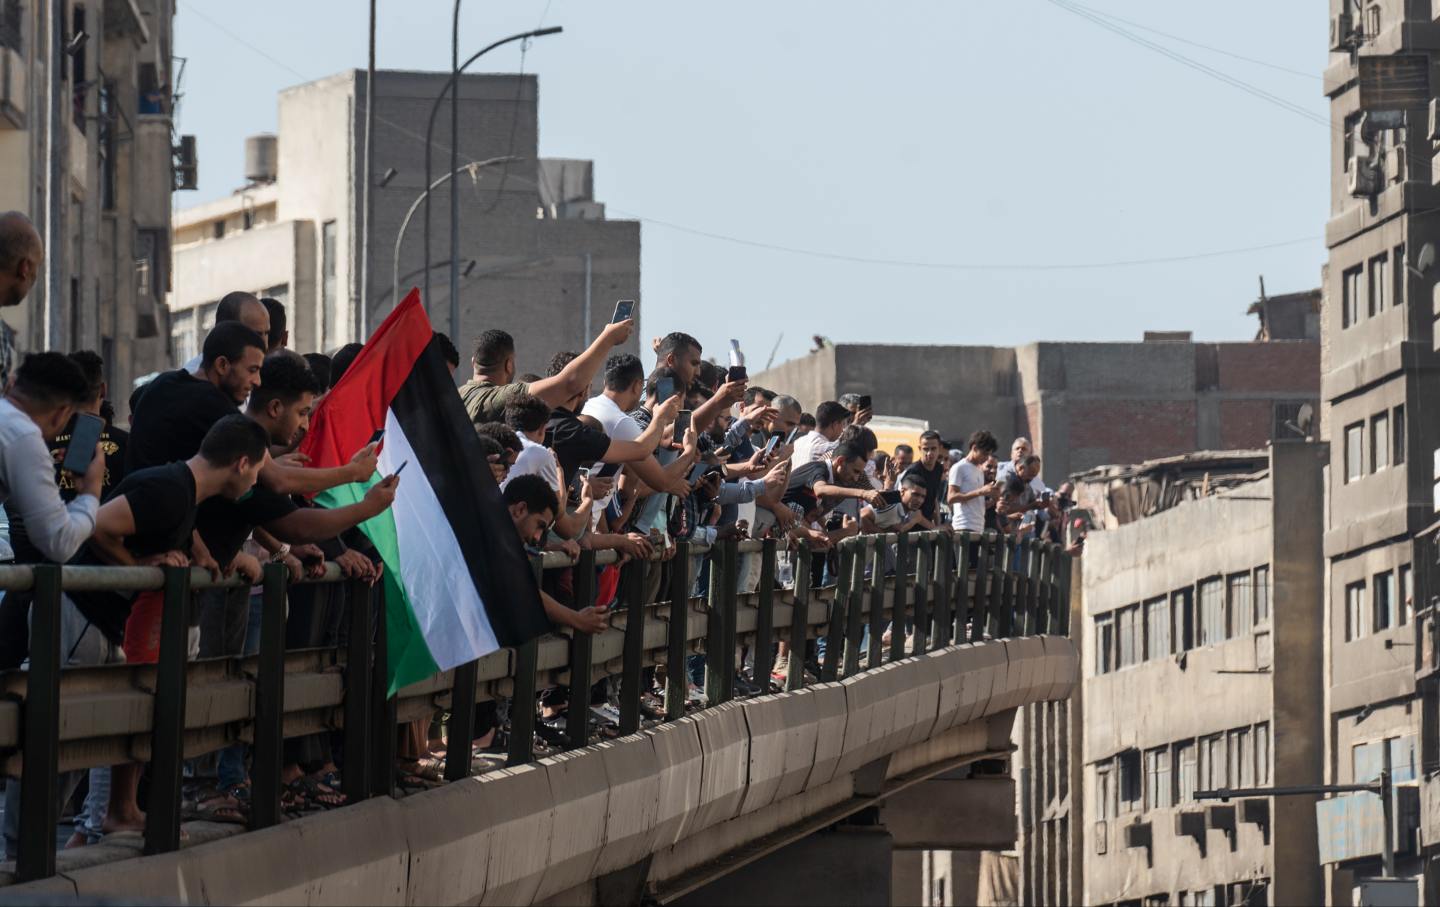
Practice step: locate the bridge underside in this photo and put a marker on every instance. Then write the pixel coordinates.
(661, 814)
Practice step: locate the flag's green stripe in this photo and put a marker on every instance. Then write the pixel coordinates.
(408, 659)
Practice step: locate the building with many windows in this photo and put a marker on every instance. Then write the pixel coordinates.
(538, 258)
(115, 148)
(1201, 632)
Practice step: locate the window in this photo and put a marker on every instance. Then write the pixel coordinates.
(1157, 628)
(1130, 635)
(1157, 779)
(1354, 451)
(1212, 762)
(1212, 612)
(1104, 791)
(1182, 608)
(1397, 426)
(1262, 755)
(1185, 772)
(1131, 782)
(1241, 609)
(1262, 594)
(1242, 758)
(1372, 22)
(1104, 644)
(1398, 296)
(1379, 280)
(217, 229)
(1384, 599)
(1350, 289)
(1402, 758)
(1379, 442)
(1407, 594)
(329, 290)
(1354, 611)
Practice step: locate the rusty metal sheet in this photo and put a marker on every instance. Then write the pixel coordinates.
(1394, 82)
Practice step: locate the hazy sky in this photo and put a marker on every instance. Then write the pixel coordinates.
(945, 134)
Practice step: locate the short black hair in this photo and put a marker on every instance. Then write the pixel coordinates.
(502, 433)
(228, 309)
(914, 480)
(710, 376)
(830, 412)
(652, 384)
(860, 437)
(285, 376)
(528, 378)
(1014, 485)
(905, 447)
(931, 435)
(278, 322)
(807, 420)
(492, 347)
(526, 413)
(233, 437)
(51, 379)
(560, 360)
(1031, 460)
(447, 349)
(93, 368)
(983, 441)
(320, 365)
(532, 491)
(754, 391)
(489, 447)
(677, 341)
(340, 362)
(848, 450)
(229, 340)
(623, 370)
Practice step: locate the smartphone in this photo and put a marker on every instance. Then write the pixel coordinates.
(605, 470)
(83, 439)
(891, 498)
(697, 472)
(682, 425)
(401, 468)
(664, 389)
(736, 373)
(624, 311)
(794, 433)
(865, 402)
(375, 438)
(722, 452)
(770, 445)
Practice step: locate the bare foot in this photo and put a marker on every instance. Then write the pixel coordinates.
(79, 839)
(129, 822)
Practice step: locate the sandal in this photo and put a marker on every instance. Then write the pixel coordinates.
(412, 783)
(316, 794)
(223, 809)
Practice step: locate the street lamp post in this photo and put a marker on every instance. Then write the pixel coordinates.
(455, 143)
(472, 168)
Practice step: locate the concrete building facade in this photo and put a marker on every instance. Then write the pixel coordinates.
(1200, 629)
(538, 259)
(1082, 404)
(1380, 374)
(116, 147)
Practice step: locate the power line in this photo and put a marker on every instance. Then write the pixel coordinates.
(956, 266)
(1196, 65)
(1216, 50)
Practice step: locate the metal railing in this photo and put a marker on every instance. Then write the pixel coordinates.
(952, 588)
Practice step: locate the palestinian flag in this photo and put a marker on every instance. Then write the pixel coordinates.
(458, 584)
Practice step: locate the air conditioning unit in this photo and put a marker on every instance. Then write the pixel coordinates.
(1434, 131)
(1395, 165)
(14, 91)
(1342, 29)
(1362, 181)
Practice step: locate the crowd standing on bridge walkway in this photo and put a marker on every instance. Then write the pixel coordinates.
(604, 452)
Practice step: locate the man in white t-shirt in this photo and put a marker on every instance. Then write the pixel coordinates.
(830, 420)
(967, 486)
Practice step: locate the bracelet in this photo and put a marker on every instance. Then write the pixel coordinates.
(279, 556)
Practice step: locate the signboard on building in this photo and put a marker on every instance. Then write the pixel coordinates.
(1394, 82)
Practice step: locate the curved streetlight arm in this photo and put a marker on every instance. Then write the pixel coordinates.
(454, 140)
(400, 237)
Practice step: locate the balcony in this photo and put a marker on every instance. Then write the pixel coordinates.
(1352, 826)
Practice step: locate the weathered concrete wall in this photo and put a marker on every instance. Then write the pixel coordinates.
(682, 792)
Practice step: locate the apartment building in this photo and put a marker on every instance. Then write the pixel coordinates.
(1380, 376)
(117, 153)
(538, 258)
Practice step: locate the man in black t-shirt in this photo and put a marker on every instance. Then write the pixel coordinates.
(148, 520)
(931, 469)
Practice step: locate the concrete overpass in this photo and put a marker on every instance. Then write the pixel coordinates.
(796, 797)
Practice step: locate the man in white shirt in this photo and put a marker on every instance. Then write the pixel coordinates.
(967, 486)
(830, 421)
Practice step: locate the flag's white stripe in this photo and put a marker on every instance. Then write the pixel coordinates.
(442, 594)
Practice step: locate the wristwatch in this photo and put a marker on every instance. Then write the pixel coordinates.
(279, 556)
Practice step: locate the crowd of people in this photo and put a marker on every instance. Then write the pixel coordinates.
(606, 452)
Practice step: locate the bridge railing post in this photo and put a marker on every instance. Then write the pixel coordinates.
(964, 601)
(835, 633)
(39, 781)
(577, 709)
(764, 659)
(876, 652)
(632, 667)
(677, 677)
(900, 597)
(799, 619)
(358, 712)
(167, 736)
(523, 690)
(854, 616)
(944, 590)
(980, 602)
(999, 604)
(267, 755)
(924, 557)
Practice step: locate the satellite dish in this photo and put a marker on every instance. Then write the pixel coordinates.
(1305, 418)
(1424, 260)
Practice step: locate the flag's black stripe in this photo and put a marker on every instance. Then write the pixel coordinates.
(443, 438)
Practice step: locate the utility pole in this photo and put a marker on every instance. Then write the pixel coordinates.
(367, 196)
(54, 176)
(455, 165)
